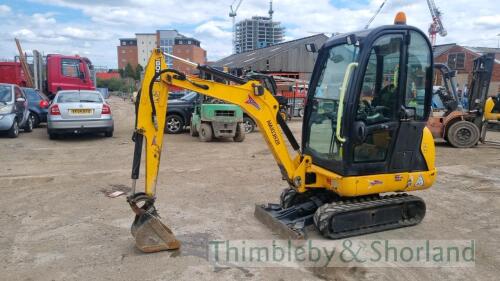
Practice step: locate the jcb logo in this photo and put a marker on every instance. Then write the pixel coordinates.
(158, 68)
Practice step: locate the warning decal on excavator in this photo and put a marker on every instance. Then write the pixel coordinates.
(252, 102)
(420, 181)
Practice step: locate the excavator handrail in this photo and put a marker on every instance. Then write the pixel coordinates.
(343, 90)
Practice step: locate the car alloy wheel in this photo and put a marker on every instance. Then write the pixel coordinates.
(173, 124)
(31, 121)
(16, 128)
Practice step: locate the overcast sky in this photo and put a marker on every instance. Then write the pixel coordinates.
(92, 27)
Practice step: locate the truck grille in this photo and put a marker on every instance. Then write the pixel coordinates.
(226, 113)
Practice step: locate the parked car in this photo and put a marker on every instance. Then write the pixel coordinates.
(38, 104)
(177, 95)
(179, 113)
(74, 111)
(14, 113)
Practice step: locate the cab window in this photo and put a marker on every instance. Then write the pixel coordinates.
(70, 68)
(322, 142)
(419, 64)
(378, 98)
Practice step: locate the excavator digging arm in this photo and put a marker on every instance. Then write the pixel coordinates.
(151, 107)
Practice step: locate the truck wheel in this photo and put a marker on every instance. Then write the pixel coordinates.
(14, 130)
(28, 127)
(174, 124)
(463, 134)
(205, 132)
(249, 124)
(192, 131)
(240, 133)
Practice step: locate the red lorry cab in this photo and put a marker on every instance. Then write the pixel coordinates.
(12, 73)
(68, 73)
(60, 73)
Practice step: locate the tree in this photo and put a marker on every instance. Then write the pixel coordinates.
(129, 71)
(138, 71)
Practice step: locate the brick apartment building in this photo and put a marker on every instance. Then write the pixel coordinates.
(461, 59)
(137, 50)
(188, 48)
(127, 52)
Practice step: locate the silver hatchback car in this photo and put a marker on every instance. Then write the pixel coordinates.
(76, 111)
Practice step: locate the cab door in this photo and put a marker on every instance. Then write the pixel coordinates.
(389, 105)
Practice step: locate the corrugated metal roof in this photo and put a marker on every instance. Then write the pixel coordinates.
(483, 50)
(441, 49)
(246, 58)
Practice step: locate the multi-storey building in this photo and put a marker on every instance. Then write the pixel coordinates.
(138, 50)
(127, 52)
(166, 39)
(189, 49)
(257, 32)
(146, 42)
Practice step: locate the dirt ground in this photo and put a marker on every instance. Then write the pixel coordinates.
(58, 224)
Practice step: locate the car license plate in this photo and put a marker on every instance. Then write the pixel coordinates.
(81, 111)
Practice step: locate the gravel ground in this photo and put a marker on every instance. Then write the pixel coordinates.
(58, 223)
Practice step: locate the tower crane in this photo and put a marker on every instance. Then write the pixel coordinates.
(436, 26)
(232, 15)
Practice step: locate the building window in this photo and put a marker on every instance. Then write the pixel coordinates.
(456, 61)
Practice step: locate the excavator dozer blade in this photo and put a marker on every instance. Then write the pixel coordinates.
(151, 235)
(290, 223)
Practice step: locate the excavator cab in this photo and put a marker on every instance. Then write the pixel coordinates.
(368, 102)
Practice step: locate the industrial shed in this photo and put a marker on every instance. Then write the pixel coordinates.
(289, 59)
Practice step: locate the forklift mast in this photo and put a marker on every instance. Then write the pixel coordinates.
(482, 72)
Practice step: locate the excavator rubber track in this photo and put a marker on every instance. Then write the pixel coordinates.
(343, 218)
(357, 217)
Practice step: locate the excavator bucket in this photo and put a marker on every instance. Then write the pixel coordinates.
(150, 234)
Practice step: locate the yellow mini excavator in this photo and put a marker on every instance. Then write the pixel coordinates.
(364, 140)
